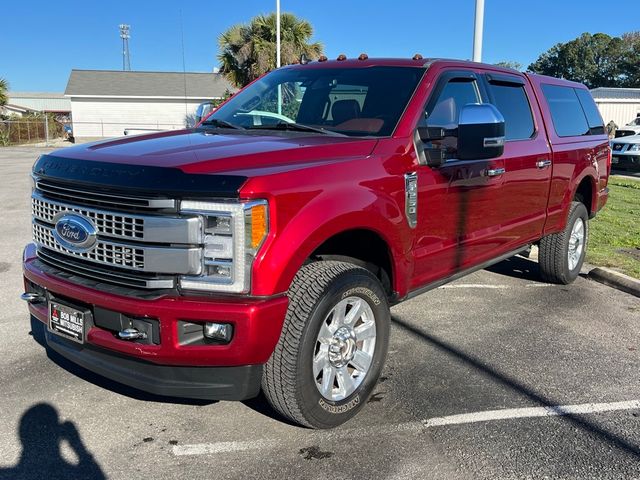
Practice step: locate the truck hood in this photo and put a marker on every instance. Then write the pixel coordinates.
(211, 152)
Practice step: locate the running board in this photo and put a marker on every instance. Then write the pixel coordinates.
(462, 273)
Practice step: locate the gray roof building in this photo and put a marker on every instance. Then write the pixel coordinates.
(123, 84)
(616, 93)
(39, 101)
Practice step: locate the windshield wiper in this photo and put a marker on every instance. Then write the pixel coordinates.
(298, 127)
(214, 122)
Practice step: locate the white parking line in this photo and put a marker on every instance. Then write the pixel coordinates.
(493, 287)
(460, 419)
(530, 412)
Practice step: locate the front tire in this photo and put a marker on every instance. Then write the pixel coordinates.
(561, 255)
(332, 347)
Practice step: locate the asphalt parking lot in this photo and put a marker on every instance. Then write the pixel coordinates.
(497, 375)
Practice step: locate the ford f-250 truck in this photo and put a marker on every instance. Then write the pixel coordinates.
(263, 248)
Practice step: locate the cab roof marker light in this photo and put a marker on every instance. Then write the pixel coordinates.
(341, 57)
(363, 56)
(417, 56)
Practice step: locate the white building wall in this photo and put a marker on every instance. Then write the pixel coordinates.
(109, 117)
(620, 112)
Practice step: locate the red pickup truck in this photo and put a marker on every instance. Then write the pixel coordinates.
(263, 248)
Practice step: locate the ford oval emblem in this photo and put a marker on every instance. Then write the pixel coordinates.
(75, 232)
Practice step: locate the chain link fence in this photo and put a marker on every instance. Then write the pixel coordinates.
(29, 131)
(48, 131)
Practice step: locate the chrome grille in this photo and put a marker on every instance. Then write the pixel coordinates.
(110, 224)
(104, 252)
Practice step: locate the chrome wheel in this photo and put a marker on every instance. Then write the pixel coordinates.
(576, 244)
(344, 348)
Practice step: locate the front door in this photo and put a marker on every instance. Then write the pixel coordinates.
(458, 216)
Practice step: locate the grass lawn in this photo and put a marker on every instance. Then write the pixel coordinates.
(615, 232)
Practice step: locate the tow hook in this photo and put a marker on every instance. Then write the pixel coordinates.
(131, 334)
(33, 298)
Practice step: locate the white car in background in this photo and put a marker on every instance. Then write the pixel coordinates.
(626, 152)
(631, 128)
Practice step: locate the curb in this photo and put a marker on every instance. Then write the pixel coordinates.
(617, 280)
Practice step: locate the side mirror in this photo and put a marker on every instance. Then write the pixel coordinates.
(202, 111)
(480, 132)
(433, 156)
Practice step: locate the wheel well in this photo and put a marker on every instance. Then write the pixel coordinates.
(584, 194)
(361, 247)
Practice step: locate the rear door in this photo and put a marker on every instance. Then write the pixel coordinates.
(522, 200)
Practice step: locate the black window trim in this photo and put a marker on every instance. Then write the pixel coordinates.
(514, 81)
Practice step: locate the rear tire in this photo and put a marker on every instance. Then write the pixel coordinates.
(327, 362)
(561, 255)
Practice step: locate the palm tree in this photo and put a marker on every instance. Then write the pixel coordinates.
(4, 88)
(249, 50)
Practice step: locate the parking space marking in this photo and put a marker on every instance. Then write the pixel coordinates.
(459, 419)
(493, 287)
(530, 412)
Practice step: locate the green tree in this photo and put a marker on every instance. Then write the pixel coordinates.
(249, 50)
(4, 89)
(631, 63)
(510, 64)
(597, 60)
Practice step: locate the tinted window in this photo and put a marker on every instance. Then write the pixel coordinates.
(512, 102)
(566, 111)
(455, 95)
(594, 119)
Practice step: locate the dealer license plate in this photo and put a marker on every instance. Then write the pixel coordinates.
(66, 321)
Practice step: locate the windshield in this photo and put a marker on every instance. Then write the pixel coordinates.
(349, 101)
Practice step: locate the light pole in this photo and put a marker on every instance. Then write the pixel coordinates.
(477, 31)
(278, 54)
(278, 34)
(124, 35)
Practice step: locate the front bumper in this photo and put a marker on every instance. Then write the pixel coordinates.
(625, 160)
(168, 366)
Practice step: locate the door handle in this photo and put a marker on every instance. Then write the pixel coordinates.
(494, 172)
(543, 163)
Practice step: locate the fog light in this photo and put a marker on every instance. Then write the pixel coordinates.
(218, 331)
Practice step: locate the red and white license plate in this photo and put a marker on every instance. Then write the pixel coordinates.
(66, 321)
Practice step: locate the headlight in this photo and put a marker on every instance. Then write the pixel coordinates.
(233, 233)
(634, 148)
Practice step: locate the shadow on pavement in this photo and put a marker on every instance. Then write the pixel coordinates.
(38, 333)
(42, 435)
(611, 438)
(518, 267)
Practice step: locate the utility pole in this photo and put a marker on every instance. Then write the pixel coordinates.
(477, 31)
(124, 35)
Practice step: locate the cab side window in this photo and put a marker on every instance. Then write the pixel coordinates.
(455, 95)
(511, 100)
(444, 111)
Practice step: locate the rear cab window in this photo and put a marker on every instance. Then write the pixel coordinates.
(572, 111)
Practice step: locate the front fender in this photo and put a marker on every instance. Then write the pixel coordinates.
(325, 214)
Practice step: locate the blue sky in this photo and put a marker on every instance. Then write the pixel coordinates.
(43, 40)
